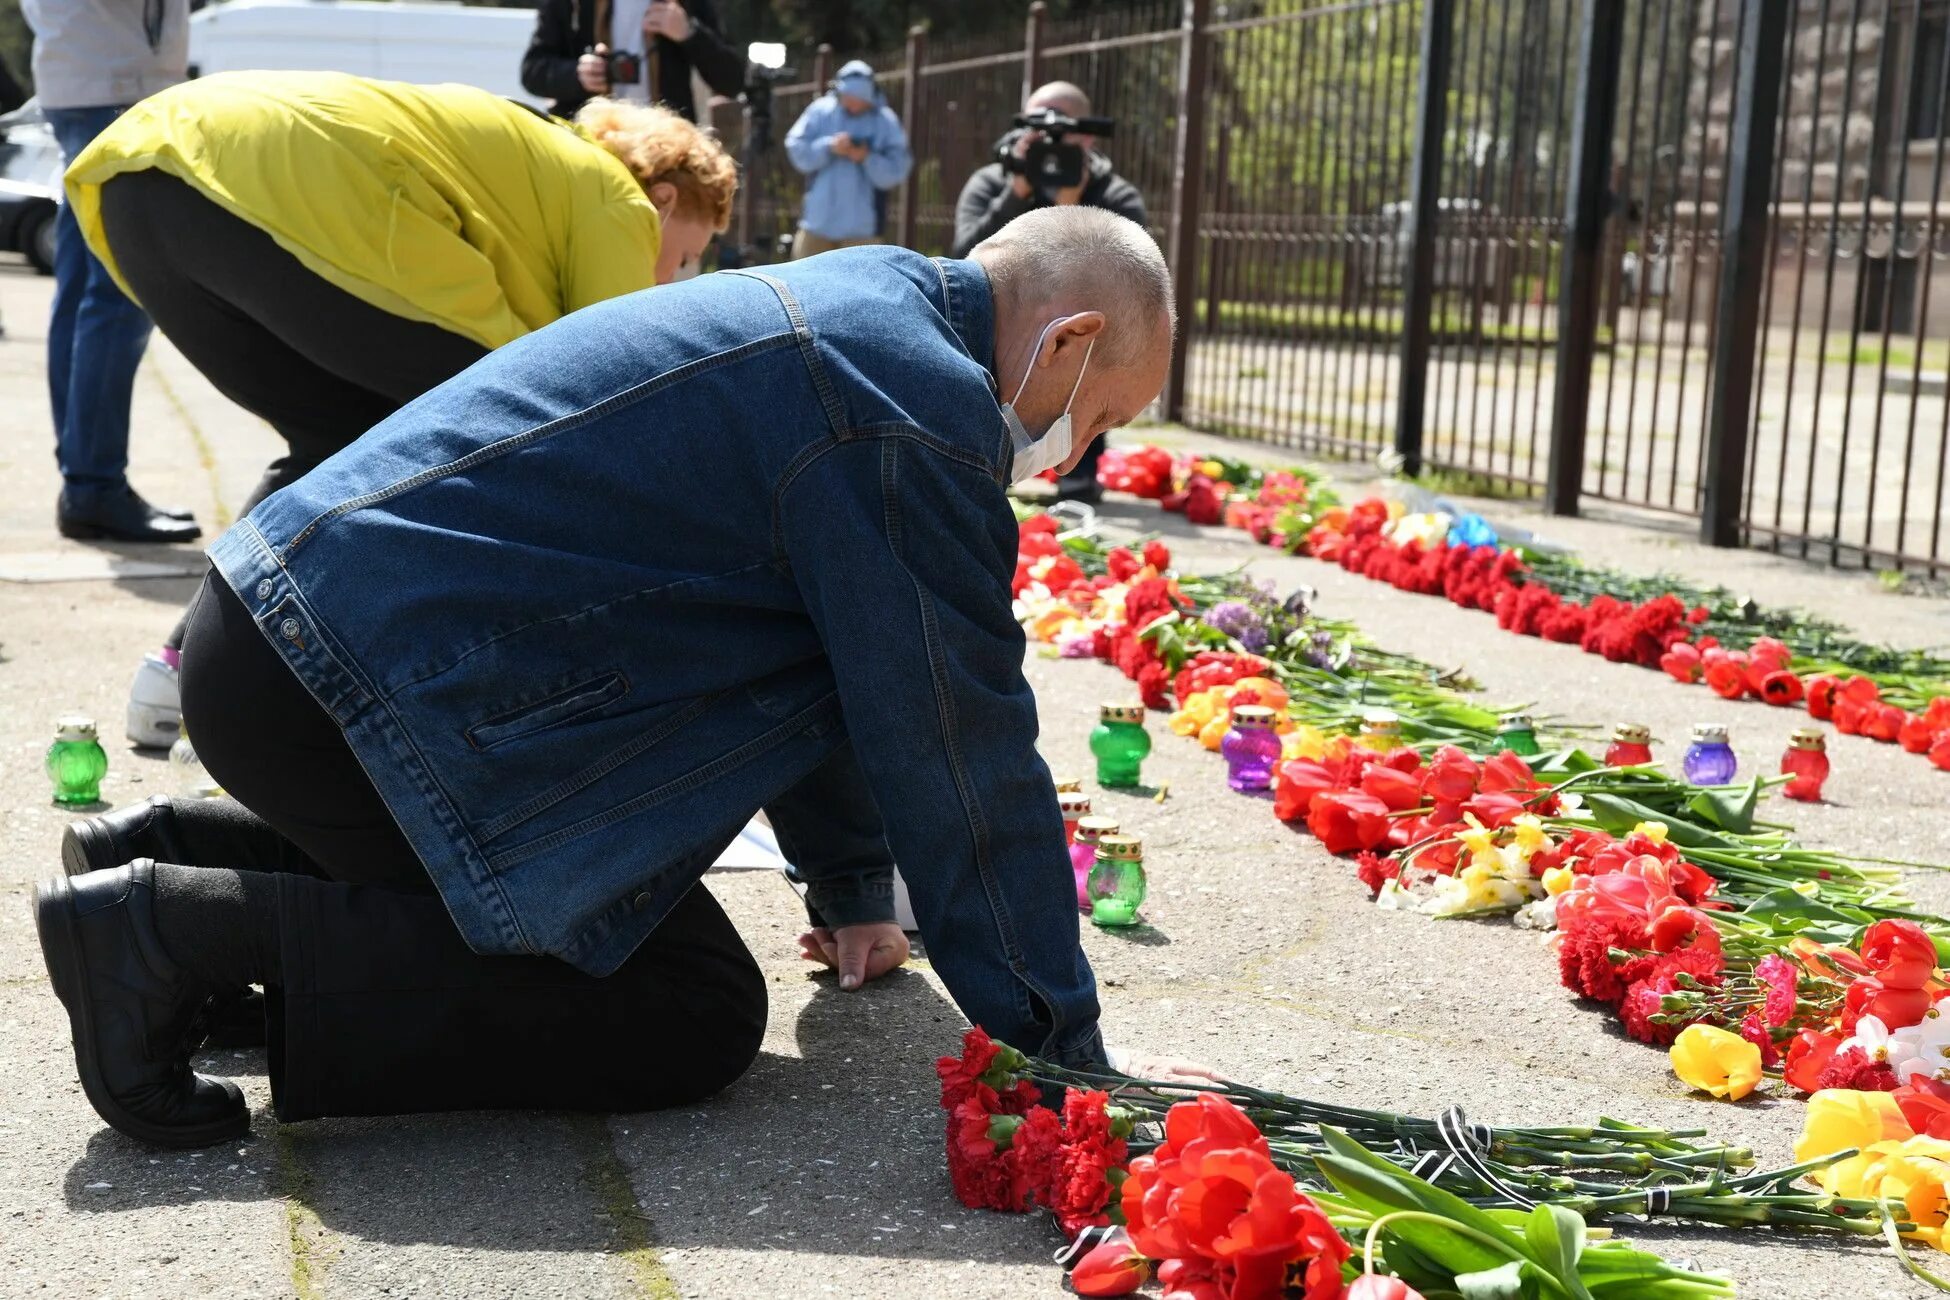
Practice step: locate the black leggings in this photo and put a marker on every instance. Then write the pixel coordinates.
(382, 1008)
(317, 364)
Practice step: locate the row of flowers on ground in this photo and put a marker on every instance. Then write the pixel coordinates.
(1675, 908)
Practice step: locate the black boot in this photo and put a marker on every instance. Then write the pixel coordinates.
(135, 1014)
(199, 832)
(119, 515)
(142, 830)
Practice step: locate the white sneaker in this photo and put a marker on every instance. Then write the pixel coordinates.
(155, 705)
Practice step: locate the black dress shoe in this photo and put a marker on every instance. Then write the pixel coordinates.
(168, 512)
(119, 515)
(141, 830)
(135, 1015)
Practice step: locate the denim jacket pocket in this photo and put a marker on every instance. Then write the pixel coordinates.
(559, 707)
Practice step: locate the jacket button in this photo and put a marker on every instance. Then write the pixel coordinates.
(642, 901)
(264, 589)
(289, 629)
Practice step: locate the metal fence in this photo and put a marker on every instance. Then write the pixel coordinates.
(1668, 254)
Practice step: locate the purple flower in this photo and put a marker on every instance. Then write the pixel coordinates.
(1239, 621)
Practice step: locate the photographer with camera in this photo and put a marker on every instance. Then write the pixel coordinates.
(1050, 158)
(638, 51)
(851, 148)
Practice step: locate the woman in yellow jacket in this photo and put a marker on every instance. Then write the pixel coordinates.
(325, 248)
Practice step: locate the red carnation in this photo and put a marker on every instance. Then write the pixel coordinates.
(1375, 870)
(1123, 564)
(1853, 1069)
(1157, 555)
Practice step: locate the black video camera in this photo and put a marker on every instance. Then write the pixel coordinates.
(623, 68)
(1053, 161)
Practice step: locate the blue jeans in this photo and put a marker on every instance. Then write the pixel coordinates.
(94, 340)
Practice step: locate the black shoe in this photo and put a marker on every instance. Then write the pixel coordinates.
(119, 515)
(135, 1015)
(1080, 487)
(142, 830)
(235, 1021)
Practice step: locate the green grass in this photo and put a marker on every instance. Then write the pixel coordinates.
(1900, 355)
(1305, 321)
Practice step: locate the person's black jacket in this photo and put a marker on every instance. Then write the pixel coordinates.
(988, 202)
(565, 30)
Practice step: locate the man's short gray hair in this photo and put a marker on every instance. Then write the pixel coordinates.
(1089, 258)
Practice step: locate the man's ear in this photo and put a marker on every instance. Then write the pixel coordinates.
(1078, 331)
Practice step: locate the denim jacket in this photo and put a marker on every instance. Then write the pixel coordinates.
(732, 543)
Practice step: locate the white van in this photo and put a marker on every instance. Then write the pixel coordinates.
(396, 40)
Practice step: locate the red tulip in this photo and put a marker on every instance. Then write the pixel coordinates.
(1918, 734)
(1451, 776)
(1112, 1268)
(1373, 1286)
(1347, 820)
(1781, 688)
(1901, 954)
(1295, 784)
(1925, 1103)
(1398, 789)
(1862, 689)
(1495, 808)
(1896, 1008)
(1821, 690)
(1681, 663)
(1851, 715)
(1885, 723)
(1728, 678)
(1940, 750)
(1807, 1056)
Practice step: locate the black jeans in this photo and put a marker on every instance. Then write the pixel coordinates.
(317, 364)
(381, 1008)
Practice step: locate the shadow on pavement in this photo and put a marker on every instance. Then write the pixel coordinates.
(835, 1150)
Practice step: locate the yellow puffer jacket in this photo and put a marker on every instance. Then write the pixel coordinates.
(437, 203)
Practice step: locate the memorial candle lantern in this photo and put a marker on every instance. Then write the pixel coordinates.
(1117, 881)
(1381, 730)
(76, 762)
(1083, 853)
(1709, 759)
(1074, 804)
(1251, 748)
(1806, 764)
(1631, 745)
(1069, 784)
(1120, 743)
(1518, 734)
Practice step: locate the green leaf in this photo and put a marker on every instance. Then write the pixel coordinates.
(1730, 810)
(1619, 815)
(1556, 1238)
(1504, 1283)
(1383, 1187)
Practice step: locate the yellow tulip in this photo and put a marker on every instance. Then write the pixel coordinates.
(1183, 723)
(1841, 1118)
(1211, 469)
(1915, 1171)
(1558, 879)
(1215, 731)
(1713, 1060)
(1654, 831)
(1304, 742)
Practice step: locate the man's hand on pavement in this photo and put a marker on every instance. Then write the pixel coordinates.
(1162, 1069)
(592, 70)
(666, 18)
(858, 952)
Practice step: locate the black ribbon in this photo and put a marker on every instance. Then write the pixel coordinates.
(1467, 1142)
(1087, 1240)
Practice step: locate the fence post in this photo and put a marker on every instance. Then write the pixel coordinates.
(1187, 177)
(822, 68)
(1581, 279)
(1418, 279)
(917, 45)
(1032, 49)
(1743, 266)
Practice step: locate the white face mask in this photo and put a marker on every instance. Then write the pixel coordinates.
(1034, 454)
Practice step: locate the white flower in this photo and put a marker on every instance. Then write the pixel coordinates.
(1925, 1047)
(1538, 914)
(1881, 1045)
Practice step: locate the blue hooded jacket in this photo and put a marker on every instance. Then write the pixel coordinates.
(840, 192)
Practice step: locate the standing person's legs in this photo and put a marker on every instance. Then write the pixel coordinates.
(96, 336)
(317, 364)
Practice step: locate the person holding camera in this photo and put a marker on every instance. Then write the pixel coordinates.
(326, 248)
(851, 148)
(1050, 159)
(638, 51)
